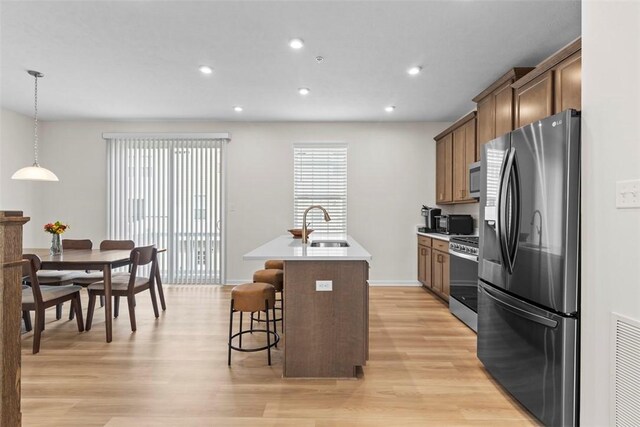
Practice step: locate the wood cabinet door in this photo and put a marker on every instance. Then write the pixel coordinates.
(486, 121)
(504, 109)
(534, 100)
(427, 267)
(568, 83)
(445, 274)
(464, 153)
(459, 156)
(422, 253)
(436, 271)
(469, 149)
(444, 184)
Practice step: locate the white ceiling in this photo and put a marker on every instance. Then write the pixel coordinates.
(139, 59)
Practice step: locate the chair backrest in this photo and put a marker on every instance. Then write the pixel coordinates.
(107, 245)
(30, 267)
(77, 244)
(140, 256)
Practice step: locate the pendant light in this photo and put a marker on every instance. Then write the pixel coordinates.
(35, 172)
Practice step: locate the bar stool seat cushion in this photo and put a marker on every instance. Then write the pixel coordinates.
(272, 276)
(250, 297)
(276, 264)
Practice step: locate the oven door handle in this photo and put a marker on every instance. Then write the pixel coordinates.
(473, 258)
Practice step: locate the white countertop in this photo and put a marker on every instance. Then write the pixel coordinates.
(440, 236)
(287, 248)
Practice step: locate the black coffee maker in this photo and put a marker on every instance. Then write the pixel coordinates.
(430, 218)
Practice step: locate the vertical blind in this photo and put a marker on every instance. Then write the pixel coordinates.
(169, 192)
(320, 178)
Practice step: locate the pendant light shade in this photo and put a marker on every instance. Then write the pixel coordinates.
(35, 172)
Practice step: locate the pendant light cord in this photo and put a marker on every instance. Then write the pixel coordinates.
(35, 124)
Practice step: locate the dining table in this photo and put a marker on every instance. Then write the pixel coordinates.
(93, 259)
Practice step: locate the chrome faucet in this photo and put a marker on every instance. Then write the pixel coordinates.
(304, 220)
(538, 229)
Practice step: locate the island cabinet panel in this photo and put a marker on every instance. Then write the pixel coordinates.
(11, 223)
(326, 331)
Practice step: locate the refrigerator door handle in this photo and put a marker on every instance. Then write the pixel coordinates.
(501, 217)
(514, 231)
(503, 230)
(520, 312)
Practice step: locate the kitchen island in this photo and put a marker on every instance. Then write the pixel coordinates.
(326, 304)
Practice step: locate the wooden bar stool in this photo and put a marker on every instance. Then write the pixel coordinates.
(274, 277)
(249, 298)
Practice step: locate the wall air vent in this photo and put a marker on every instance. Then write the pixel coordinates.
(626, 371)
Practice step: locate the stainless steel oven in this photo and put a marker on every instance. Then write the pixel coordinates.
(463, 292)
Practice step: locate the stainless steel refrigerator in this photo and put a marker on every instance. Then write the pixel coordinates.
(529, 277)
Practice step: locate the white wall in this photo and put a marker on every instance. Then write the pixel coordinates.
(16, 151)
(610, 152)
(390, 169)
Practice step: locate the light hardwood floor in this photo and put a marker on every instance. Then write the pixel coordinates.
(173, 372)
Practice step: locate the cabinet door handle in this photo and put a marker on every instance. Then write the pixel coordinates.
(463, 193)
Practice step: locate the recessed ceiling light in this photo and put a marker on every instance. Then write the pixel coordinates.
(238, 109)
(296, 43)
(414, 70)
(390, 108)
(304, 91)
(205, 69)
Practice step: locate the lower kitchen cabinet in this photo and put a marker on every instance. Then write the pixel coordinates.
(433, 266)
(440, 273)
(424, 261)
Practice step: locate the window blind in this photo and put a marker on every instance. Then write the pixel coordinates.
(320, 178)
(169, 192)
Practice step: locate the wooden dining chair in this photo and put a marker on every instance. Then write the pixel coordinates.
(38, 298)
(63, 277)
(129, 285)
(91, 277)
(128, 244)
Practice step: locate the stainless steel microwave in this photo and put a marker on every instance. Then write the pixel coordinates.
(474, 180)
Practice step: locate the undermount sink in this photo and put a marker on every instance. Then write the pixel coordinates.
(330, 244)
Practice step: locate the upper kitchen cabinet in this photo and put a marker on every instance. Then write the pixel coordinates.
(444, 165)
(455, 149)
(553, 86)
(496, 105)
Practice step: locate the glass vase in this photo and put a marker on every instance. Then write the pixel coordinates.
(56, 245)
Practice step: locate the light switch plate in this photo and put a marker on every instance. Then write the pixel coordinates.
(628, 194)
(324, 285)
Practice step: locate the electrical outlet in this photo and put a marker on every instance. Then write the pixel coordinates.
(628, 194)
(324, 285)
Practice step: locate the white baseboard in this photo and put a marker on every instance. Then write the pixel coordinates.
(393, 283)
(389, 283)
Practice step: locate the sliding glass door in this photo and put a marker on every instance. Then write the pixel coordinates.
(170, 192)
